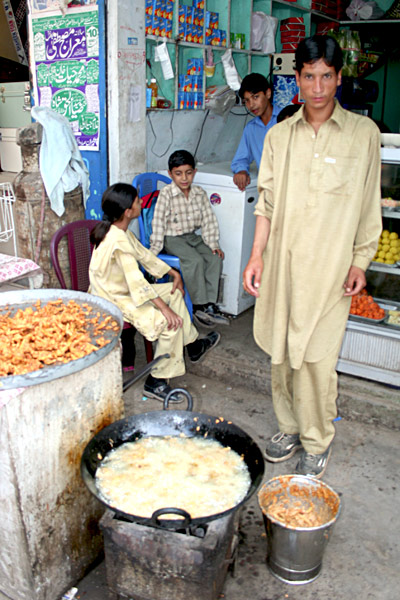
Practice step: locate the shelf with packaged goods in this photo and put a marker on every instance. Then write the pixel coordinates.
(283, 10)
(390, 193)
(234, 18)
(390, 213)
(387, 215)
(370, 22)
(381, 268)
(305, 6)
(371, 350)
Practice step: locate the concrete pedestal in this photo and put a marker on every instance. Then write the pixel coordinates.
(48, 519)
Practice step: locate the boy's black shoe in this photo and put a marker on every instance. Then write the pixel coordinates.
(159, 389)
(199, 349)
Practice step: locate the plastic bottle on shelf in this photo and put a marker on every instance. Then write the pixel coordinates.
(149, 93)
(154, 92)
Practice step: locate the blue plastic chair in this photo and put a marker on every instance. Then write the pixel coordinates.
(145, 184)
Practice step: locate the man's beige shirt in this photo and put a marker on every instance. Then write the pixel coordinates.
(322, 195)
(115, 275)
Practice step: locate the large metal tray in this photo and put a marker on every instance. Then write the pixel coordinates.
(365, 319)
(24, 299)
(397, 326)
(383, 305)
(380, 264)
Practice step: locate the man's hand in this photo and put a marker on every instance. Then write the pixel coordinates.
(355, 281)
(252, 276)
(241, 179)
(177, 283)
(219, 252)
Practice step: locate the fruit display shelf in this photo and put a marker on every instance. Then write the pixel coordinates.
(372, 350)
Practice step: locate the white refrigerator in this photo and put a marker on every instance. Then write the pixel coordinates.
(234, 210)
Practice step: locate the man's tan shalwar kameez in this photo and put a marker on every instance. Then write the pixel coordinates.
(115, 275)
(321, 193)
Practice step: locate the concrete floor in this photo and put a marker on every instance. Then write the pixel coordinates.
(361, 559)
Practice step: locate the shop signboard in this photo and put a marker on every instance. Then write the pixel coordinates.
(66, 69)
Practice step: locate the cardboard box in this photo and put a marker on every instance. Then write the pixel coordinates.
(292, 38)
(289, 47)
(169, 9)
(148, 24)
(293, 27)
(211, 20)
(291, 20)
(191, 66)
(182, 15)
(157, 25)
(149, 7)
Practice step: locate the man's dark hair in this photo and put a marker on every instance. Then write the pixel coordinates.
(254, 83)
(314, 48)
(179, 158)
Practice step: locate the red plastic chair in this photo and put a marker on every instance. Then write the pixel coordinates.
(145, 184)
(80, 251)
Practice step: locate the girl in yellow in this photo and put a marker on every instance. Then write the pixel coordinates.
(157, 311)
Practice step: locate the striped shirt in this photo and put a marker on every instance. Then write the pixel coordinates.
(175, 215)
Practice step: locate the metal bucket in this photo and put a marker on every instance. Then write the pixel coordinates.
(294, 554)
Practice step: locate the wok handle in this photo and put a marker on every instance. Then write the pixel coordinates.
(187, 519)
(179, 391)
(146, 369)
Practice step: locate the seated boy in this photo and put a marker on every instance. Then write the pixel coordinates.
(255, 92)
(181, 209)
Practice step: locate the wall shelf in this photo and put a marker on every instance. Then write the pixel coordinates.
(234, 16)
(366, 22)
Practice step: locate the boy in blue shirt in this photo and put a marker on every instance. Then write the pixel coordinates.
(255, 92)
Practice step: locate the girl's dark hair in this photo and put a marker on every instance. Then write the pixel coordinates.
(316, 47)
(180, 158)
(116, 199)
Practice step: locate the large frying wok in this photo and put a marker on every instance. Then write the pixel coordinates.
(171, 423)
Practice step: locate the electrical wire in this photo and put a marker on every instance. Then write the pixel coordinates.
(241, 114)
(155, 136)
(201, 131)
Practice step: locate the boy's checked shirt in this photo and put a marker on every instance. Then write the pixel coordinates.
(175, 215)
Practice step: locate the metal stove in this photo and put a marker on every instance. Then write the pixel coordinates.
(154, 563)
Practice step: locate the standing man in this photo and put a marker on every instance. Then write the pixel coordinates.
(255, 92)
(317, 229)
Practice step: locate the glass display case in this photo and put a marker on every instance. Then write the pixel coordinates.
(372, 350)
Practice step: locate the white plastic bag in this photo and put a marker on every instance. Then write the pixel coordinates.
(263, 31)
(231, 75)
(220, 99)
(360, 10)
